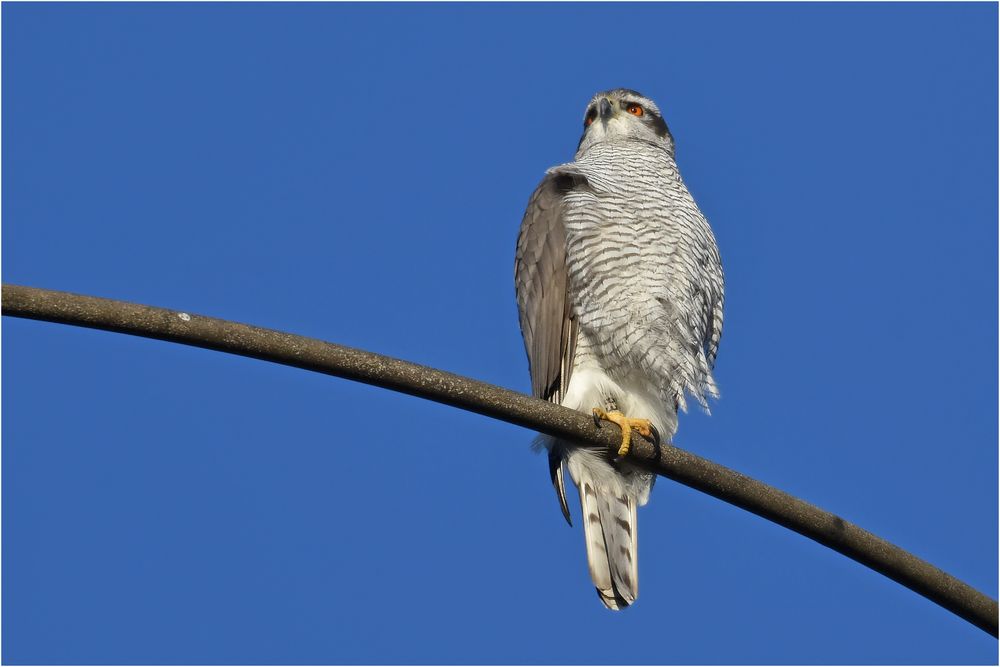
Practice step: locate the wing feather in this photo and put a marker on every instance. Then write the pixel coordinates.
(540, 275)
(547, 320)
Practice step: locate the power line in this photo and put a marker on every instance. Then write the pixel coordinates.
(509, 406)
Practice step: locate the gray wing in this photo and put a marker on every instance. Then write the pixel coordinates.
(547, 321)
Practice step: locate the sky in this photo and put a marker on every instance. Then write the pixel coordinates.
(357, 173)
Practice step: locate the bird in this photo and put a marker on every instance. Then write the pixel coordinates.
(620, 294)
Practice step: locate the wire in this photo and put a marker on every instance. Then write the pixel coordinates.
(509, 406)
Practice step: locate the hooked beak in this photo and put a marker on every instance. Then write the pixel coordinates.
(604, 110)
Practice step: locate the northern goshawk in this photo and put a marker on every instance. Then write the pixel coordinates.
(620, 292)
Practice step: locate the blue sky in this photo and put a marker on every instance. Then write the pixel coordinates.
(358, 174)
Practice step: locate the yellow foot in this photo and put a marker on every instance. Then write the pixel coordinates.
(626, 424)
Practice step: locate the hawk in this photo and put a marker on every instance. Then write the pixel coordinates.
(620, 292)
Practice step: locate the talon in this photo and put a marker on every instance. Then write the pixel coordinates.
(626, 424)
(643, 426)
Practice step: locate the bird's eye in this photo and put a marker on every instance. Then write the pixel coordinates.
(591, 115)
(635, 110)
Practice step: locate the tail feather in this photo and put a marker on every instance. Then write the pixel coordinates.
(559, 483)
(609, 527)
(593, 534)
(618, 524)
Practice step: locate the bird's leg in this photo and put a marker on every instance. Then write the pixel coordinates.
(626, 424)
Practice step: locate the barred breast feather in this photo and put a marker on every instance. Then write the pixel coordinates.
(644, 272)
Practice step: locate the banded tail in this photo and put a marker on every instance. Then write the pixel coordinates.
(609, 528)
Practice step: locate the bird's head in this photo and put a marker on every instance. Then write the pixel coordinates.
(622, 115)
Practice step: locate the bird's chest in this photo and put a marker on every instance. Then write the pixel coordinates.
(616, 233)
(627, 201)
(612, 250)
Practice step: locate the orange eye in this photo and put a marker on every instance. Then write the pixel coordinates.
(634, 109)
(589, 119)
